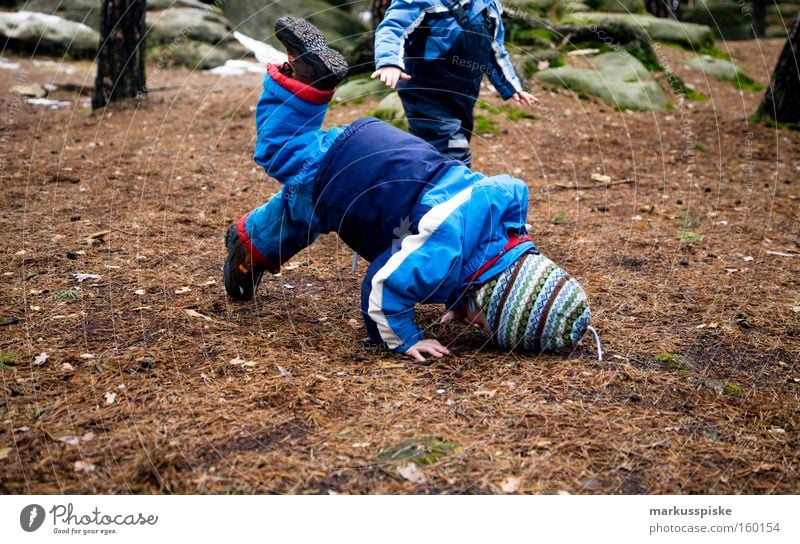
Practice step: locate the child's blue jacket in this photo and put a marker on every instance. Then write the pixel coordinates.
(405, 16)
(425, 222)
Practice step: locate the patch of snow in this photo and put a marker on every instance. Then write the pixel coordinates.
(237, 68)
(265, 53)
(52, 104)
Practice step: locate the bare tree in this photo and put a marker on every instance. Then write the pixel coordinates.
(120, 61)
(379, 8)
(782, 99)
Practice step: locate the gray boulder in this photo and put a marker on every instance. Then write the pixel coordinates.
(724, 69)
(187, 23)
(390, 109)
(42, 33)
(356, 90)
(617, 78)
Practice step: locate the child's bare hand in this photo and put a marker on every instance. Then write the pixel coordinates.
(429, 346)
(390, 75)
(526, 99)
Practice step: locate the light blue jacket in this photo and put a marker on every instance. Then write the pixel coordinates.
(404, 17)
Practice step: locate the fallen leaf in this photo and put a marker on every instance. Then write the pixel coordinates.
(285, 373)
(4, 452)
(601, 178)
(110, 397)
(66, 367)
(139, 292)
(288, 286)
(70, 440)
(412, 473)
(509, 485)
(81, 466)
(40, 359)
(182, 290)
(748, 258)
(86, 356)
(193, 313)
(83, 277)
(209, 282)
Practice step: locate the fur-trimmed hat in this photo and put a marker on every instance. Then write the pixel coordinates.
(534, 305)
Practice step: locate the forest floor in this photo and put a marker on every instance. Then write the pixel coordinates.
(148, 379)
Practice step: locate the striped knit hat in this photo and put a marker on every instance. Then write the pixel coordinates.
(535, 305)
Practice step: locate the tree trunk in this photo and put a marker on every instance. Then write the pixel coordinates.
(120, 61)
(782, 99)
(379, 8)
(759, 18)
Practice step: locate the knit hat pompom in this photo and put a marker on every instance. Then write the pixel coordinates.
(534, 305)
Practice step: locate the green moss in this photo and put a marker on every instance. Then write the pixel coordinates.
(421, 452)
(674, 361)
(484, 125)
(559, 219)
(68, 295)
(688, 237)
(7, 359)
(511, 113)
(679, 87)
(731, 389)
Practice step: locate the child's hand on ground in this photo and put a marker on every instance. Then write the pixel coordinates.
(390, 75)
(526, 99)
(430, 346)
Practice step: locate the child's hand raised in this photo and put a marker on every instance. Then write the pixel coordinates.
(430, 346)
(526, 99)
(390, 75)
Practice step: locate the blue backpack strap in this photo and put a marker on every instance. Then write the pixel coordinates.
(458, 12)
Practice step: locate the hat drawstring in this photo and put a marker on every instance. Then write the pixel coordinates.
(597, 343)
(355, 261)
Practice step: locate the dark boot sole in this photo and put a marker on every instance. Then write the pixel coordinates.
(305, 41)
(245, 290)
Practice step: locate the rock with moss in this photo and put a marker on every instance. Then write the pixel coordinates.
(187, 24)
(535, 7)
(358, 89)
(727, 18)
(724, 69)
(195, 55)
(617, 6)
(33, 32)
(617, 78)
(688, 35)
(390, 109)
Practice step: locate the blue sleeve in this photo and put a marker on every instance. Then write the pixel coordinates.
(503, 75)
(426, 269)
(401, 19)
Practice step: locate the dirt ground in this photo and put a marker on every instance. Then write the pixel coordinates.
(154, 382)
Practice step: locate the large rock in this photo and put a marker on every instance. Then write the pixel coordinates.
(196, 55)
(188, 23)
(356, 90)
(617, 6)
(88, 11)
(391, 110)
(724, 69)
(689, 35)
(617, 78)
(41, 33)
